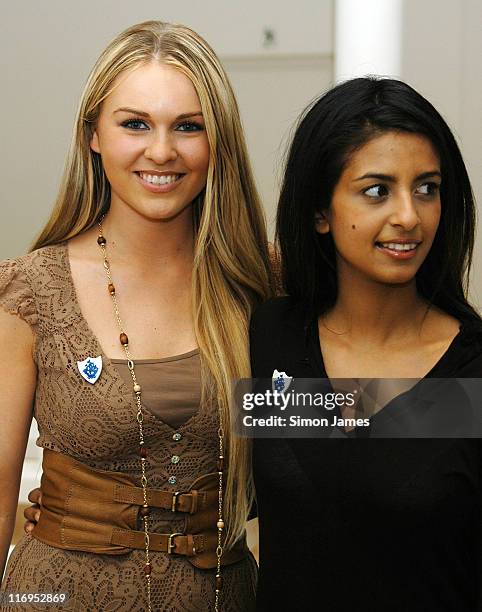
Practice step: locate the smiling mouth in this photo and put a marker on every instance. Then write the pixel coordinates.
(400, 247)
(160, 179)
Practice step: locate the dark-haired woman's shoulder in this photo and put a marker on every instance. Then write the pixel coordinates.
(466, 358)
(462, 338)
(274, 308)
(276, 326)
(272, 316)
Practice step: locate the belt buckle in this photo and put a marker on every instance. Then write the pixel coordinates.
(174, 501)
(170, 543)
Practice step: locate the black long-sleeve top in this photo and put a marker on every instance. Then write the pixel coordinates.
(370, 525)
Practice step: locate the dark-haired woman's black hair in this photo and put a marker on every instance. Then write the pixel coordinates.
(334, 126)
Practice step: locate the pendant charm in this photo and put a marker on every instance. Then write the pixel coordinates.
(90, 369)
(281, 381)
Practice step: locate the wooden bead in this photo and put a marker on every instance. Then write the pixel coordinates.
(124, 340)
(137, 388)
(111, 289)
(220, 524)
(219, 582)
(101, 240)
(220, 464)
(143, 451)
(145, 511)
(147, 569)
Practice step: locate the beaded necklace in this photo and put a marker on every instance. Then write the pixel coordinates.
(137, 389)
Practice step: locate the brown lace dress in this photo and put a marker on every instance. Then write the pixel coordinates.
(96, 424)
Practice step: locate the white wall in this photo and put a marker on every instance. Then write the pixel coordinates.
(441, 58)
(272, 92)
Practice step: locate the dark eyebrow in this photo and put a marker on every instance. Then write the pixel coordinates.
(391, 179)
(374, 175)
(144, 114)
(430, 174)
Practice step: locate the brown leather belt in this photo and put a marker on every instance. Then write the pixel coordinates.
(97, 511)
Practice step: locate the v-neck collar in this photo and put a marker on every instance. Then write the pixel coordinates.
(108, 363)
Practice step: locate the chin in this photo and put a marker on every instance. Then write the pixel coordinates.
(163, 213)
(396, 280)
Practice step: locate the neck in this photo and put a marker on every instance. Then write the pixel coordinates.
(146, 243)
(375, 312)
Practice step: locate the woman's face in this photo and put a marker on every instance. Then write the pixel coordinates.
(385, 208)
(152, 140)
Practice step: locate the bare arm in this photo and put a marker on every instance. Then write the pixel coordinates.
(17, 388)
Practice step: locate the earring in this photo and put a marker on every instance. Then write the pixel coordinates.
(321, 224)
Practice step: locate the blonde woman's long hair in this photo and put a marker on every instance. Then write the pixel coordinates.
(231, 263)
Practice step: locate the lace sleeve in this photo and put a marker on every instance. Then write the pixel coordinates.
(16, 296)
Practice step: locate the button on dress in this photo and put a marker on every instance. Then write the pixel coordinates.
(96, 424)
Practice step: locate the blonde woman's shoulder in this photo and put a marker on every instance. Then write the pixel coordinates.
(24, 279)
(37, 259)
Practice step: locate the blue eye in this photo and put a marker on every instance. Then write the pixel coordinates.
(135, 124)
(189, 126)
(428, 189)
(376, 191)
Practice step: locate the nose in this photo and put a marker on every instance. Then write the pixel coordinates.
(161, 148)
(405, 212)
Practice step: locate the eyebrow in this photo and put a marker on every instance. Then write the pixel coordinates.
(144, 114)
(391, 179)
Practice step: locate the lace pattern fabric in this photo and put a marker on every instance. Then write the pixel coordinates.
(96, 424)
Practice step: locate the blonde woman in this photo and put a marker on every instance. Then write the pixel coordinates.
(121, 331)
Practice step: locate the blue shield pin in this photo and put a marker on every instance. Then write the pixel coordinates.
(90, 369)
(281, 381)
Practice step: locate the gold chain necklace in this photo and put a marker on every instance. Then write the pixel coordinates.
(137, 389)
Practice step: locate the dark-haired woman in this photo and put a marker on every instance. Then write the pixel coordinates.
(375, 228)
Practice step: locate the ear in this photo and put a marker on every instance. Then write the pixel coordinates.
(94, 143)
(321, 223)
